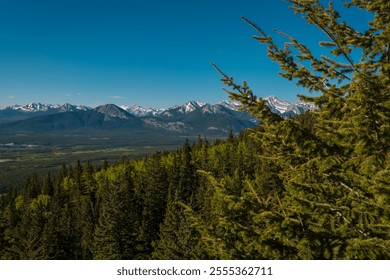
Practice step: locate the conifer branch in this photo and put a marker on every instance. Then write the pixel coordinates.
(291, 68)
(268, 40)
(332, 16)
(228, 79)
(324, 29)
(253, 191)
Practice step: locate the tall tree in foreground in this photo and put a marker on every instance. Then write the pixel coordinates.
(118, 224)
(178, 240)
(332, 196)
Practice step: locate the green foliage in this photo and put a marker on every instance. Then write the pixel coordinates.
(311, 187)
(328, 202)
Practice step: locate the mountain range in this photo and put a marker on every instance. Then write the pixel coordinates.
(193, 117)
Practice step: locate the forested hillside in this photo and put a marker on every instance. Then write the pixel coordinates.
(133, 210)
(222, 200)
(311, 187)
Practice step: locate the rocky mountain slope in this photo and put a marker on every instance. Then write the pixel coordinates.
(193, 117)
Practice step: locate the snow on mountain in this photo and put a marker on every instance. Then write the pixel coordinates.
(140, 111)
(191, 118)
(186, 108)
(70, 108)
(220, 108)
(112, 111)
(171, 112)
(209, 109)
(192, 106)
(287, 109)
(83, 108)
(32, 107)
(276, 105)
(306, 106)
(43, 107)
(283, 108)
(232, 105)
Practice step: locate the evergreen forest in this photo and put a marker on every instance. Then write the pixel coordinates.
(311, 187)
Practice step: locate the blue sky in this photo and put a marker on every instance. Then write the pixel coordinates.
(147, 52)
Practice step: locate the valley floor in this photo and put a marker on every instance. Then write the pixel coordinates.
(23, 154)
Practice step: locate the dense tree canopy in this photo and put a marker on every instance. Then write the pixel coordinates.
(311, 187)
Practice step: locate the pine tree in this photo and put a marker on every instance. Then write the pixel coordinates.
(27, 239)
(328, 200)
(154, 201)
(178, 239)
(187, 179)
(106, 239)
(117, 227)
(48, 185)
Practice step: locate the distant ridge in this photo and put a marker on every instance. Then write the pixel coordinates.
(193, 117)
(277, 105)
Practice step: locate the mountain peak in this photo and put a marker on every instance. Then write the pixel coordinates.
(192, 105)
(67, 107)
(140, 111)
(287, 109)
(112, 111)
(175, 113)
(276, 105)
(32, 107)
(231, 104)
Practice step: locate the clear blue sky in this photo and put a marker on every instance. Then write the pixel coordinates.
(147, 52)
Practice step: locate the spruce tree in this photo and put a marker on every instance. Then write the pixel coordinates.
(330, 197)
(116, 231)
(154, 201)
(178, 239)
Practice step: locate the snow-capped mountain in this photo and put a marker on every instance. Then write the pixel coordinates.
(20, 112)
(281, 107)
(287, 109)
(140, 111)
(186, 108)
(193, 117)
(180, 110)
(232, 105)
(190, 106)
(67, 107)
(43, 107)
(277, 106)
(32, 107)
